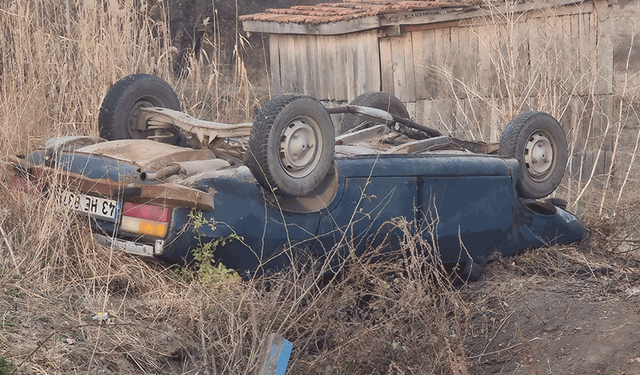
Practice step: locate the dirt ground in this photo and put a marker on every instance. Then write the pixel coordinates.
(578, 316)
(567, 310)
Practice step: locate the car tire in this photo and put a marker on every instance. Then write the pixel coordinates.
(375, 99)
(119, 109)
(538, 142)
(291, 145)
(471, 271)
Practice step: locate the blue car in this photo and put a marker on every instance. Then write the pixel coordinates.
(159, 183)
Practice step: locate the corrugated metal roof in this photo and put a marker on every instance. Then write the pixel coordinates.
(351, 9)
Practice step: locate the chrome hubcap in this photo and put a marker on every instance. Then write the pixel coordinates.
(538, 155)
(299, 147)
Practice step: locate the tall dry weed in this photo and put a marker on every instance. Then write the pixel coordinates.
(386, 312)
(57, 61)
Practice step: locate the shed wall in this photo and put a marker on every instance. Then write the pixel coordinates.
(469, 77)
(326, 67)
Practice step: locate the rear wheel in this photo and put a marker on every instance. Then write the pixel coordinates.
(537, 141)
(291, 145)
(120, 111)
(375, 99)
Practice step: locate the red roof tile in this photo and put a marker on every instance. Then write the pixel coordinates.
(350, 9)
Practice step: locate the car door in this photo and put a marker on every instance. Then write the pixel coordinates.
(470, 201)
(373, 193)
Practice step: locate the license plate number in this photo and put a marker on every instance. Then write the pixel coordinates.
(106, 209)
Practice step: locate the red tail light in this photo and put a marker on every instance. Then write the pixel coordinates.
(146, 211)
(145, 219)
(22, 184)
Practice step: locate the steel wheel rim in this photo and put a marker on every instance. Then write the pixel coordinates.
(300, 143)
(539, 155)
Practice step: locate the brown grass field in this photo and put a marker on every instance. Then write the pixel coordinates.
(539, 312)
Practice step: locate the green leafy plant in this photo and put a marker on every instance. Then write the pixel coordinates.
(5, 366)
(207, 268)
(15, 293)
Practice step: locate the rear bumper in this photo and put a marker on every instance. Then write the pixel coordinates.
(130, 246)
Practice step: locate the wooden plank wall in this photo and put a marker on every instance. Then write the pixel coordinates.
(326, 67)
(469, 77)
(472, 77)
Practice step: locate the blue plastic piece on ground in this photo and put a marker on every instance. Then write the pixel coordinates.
(278, 360)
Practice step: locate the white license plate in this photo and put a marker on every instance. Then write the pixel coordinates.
(102, 208)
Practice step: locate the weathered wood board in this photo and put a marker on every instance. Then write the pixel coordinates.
(468, 76)
(326, 67)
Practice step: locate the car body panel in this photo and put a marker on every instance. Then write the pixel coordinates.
(467, 201)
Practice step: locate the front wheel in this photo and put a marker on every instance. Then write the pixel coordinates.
(291, 145)
(537, 141)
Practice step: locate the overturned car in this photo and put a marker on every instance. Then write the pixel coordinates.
(287, 183)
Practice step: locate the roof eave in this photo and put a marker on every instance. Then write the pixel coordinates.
(330, 28)
(399, 19)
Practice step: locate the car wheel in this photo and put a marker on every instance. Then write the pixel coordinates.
(537, 141)
(119, 112)
(378, 100)
(291, 145)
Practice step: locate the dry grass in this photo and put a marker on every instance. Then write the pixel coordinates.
(57, 61)
(397, 316)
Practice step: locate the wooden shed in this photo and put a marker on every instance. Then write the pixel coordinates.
(463, 66)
